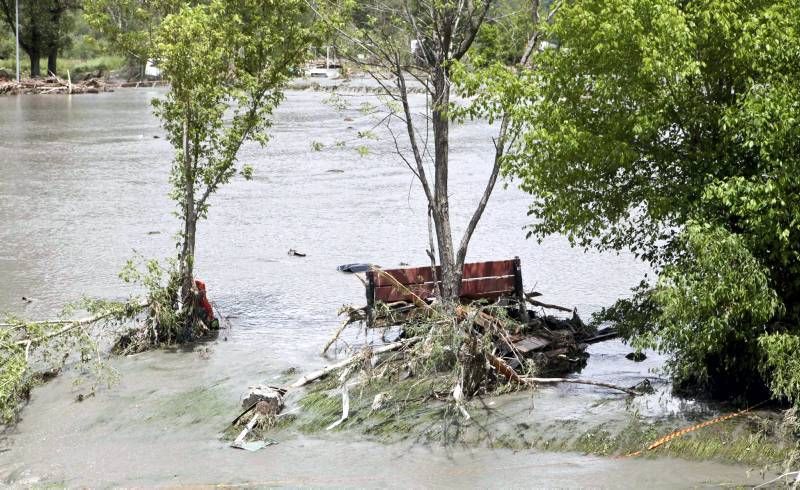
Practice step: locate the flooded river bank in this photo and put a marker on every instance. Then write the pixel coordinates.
(85, 183)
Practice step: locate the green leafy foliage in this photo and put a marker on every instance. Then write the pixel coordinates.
(129, 25)
(504, 35)
(162, 323)
(44, 27)
(227, 63)
(34, 351)
(671, 129)
(782, 363)
(714, 302)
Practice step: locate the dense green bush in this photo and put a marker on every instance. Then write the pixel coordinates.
(672, 129)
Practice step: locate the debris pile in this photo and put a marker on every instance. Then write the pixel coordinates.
(54, 85)
(265, 402)
(439, 355)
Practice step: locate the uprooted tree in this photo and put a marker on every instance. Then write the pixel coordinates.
(670, 129)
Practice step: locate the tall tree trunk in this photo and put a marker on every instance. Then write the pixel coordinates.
(35, 57)
(451, 274)
(52, 60)
(190, 224)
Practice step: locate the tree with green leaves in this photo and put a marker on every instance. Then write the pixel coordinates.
(44, 29)
(227, 62)
(130, 26)
(671, 129)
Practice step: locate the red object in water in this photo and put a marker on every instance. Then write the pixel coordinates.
(201, 286)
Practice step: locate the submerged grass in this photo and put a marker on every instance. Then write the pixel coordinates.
(416, 395)
(411, 412)
(727, 442)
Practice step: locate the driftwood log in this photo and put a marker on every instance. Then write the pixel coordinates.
(315, 375)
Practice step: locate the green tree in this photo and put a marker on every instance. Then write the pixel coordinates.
(227, 62)
(671, 128)
(130, 26)
(508, 31)
(44, 28)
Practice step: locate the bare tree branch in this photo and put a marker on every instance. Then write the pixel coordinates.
(487, 192)
(473, 31)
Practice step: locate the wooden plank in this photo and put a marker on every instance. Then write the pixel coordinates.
(487, 287)
(530, 344)
(421, 275)
(389, 294)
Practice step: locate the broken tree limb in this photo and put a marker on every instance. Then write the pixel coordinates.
(602, 336)
(532, 301)
(336, 335)
(314, 375)
(244, 412)
(580, 382)
(239, 442)
(507, 371)
(504, 369)
(70, 325)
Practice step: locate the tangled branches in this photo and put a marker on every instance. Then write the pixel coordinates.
(34, 351)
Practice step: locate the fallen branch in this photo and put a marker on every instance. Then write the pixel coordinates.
(606, 334)
(336, 336)
(239, 442)
(581, 382)
(69, 325)
(507, 371)
(244, 412)
(681, 432)
(548, 306)
(775, 480)
(504, 369)
(314, 375)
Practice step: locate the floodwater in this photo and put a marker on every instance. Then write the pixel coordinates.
(84, 184)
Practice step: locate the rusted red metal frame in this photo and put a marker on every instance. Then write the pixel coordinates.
(481, 280)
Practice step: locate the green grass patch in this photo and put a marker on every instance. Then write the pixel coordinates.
(76, 67)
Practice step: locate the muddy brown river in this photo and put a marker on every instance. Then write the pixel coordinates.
(84, 184)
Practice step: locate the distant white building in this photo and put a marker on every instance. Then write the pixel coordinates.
(151, 70)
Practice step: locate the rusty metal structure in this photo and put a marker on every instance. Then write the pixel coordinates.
(481, 280)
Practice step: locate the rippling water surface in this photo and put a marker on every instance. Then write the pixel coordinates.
(84, 184)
